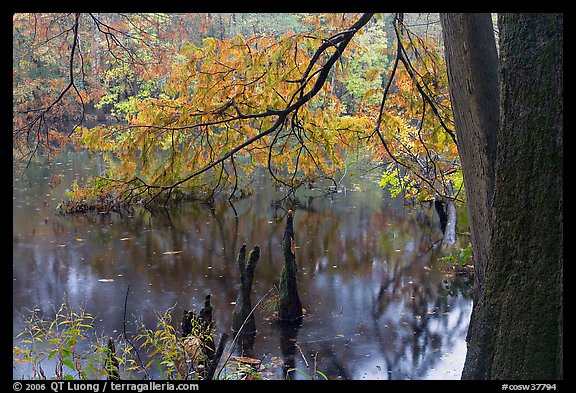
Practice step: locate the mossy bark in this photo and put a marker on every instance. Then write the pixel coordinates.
(242, 317)
(518, 329)
(290, 305)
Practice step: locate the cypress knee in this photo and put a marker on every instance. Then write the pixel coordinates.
(112, 364)
(242, 316)
(290, 305)
(205, 319)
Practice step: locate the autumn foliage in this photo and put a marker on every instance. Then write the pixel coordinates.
(195, 114)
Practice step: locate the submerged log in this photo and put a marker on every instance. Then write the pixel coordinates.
(290, 306)
(242, 317)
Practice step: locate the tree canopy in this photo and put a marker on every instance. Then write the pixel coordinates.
(201, 100)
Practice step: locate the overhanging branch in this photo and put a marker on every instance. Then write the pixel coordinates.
(339, 43)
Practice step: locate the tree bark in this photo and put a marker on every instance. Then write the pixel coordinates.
(472, 63)
(517, 331)
(290, 306)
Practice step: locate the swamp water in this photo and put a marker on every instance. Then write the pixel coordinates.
(379, 302)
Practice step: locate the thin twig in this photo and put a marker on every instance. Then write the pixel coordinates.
(302, 353)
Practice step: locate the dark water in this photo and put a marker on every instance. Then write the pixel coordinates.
(379, 303)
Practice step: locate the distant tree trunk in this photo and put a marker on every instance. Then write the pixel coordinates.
(450, 229)
(472, 63)
(446, 209)
(518, 331)
(290, 306)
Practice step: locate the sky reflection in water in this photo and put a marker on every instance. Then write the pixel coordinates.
(379, 304)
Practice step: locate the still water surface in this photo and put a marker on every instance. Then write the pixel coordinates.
(379, 302)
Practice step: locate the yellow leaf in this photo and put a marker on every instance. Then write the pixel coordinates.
(371, 74)
(247, 360)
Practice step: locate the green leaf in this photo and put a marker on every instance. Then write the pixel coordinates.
(69, 363)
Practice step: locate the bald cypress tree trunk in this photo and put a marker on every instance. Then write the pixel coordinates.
(517, 331)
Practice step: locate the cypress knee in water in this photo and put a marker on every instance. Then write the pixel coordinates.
(112, 369)
(199, 329)
(187, 318)
(290, 305)
(242, 316)
(191, 321)
(205, 318)
(206, 314)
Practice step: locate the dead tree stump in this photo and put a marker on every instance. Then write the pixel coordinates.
(290, 306)
(243, 321)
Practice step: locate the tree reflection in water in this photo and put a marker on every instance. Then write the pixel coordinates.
(379, 303)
